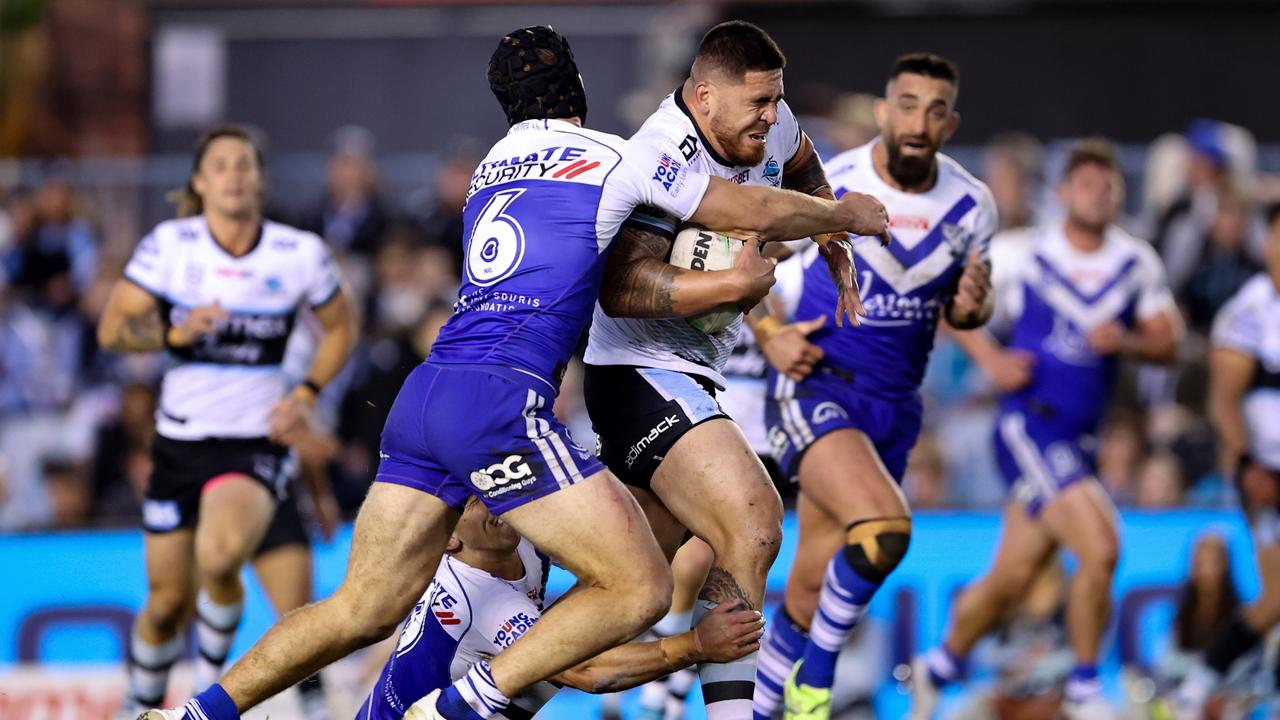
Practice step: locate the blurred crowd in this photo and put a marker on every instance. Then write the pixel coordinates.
(75, 423)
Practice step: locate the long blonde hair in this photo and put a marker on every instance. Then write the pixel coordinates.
(187, 201)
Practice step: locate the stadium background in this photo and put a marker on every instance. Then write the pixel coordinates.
(383, 104)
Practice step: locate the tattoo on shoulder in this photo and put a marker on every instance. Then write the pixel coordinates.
(721, 587)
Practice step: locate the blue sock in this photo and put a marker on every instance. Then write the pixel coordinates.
(474, 696)
(212, 704)
(843, 601)
(944, 666)
(1083, 683)
(784, 643)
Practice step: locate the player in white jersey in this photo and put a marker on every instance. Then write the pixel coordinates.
(651, 376)
(1244, 405)
(219, 289)
(1073, 298)
(542, 212)
(845, 409)
(487, 593)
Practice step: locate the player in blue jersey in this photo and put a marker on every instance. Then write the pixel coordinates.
(1077, 297)
(475, 418)
(487, 593)
(845, 407)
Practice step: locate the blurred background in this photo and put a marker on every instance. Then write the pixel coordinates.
(374, 114)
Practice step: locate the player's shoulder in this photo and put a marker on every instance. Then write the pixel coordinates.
(282, 238)
(845, 164)
(953, 175)
(1015, 245)
(1258, 292)
(178, 231)
(1127, 245)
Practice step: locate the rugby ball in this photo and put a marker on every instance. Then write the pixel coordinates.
(697, 248)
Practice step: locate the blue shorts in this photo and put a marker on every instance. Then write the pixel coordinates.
(797, 414)
(456, 431)
(1039, 460)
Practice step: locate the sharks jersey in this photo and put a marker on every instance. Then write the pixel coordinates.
(906, 285)
(542, 209)
(465, 616)
(225, 385)
(672, 343)
(1052, 295)
(1250, 323)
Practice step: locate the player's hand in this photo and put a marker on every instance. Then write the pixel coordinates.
(869, 216)
(837, 251)
(289, 421)
(971, 292)
(755, 275)
(790, 352)
(1010, 370)
(1107, 338)
(727, 633)
(201, 320)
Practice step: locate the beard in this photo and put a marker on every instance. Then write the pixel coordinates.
(910, 170)
(736, 150)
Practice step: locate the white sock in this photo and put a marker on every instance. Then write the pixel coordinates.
(149, 666)
(727, 688)
(216, 626)
(674, 623)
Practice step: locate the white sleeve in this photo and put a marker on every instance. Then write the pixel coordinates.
(505, 618)
(789, 131)
(656, 175)
(987, 221)
(1154, 296)
(1239, 325)
(323, 281)
(148, 267)
(789, 276)
(1010, 256)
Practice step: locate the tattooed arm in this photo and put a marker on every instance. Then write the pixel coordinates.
(131, 321)
(638, 282)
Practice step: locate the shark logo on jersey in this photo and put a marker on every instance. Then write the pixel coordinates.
(511, 469)
(273, 284)
(828, 411)
(772, 172)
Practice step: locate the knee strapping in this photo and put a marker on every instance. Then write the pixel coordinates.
(875, 547)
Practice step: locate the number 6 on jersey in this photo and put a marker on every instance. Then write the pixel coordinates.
(497, 241)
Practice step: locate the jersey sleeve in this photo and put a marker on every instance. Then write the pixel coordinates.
(986, 222)
(148, 267)
(323, 280)
(1239, 325)
(789, 131)
(789, 277)
(656, 174)
(1010, 256)
(505, 618)
(1154, 296)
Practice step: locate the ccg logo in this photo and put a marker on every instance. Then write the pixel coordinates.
(1063, 460)
(509, 470)
(667, 172)
(778, 441)
(828, 411)
(160, 514)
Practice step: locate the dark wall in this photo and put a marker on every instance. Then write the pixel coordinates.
(1126, 71)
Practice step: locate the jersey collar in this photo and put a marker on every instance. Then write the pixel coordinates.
(543, 124)
(706, 146)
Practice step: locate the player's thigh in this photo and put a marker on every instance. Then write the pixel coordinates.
(842, 473)
(714, 483)
(1083, 519)
(235, 510)
(595, 529)
(667, 528)
(1025, 546)
(284, 572)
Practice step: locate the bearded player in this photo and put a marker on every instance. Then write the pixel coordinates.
(845, 408)
(652, 377)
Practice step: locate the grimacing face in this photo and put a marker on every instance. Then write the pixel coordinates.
(741, 112)
(479, 530)
(916, 117)
(229, 179)
(1091, 195)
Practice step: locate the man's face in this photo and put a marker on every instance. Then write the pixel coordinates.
(479, 530)
(741, 112)
(229, 180)
(1091, 195)
(916, 117)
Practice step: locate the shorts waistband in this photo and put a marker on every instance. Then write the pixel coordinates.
(519, 375)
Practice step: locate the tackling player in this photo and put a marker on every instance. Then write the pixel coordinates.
(652, 377)
(845, 408)
(218, 288)
(1077, 297)
(1244, 404)
(487, 593)
(541, 213)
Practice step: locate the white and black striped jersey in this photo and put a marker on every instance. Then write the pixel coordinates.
(1250, 323)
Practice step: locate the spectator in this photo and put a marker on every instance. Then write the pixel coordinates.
(56, 257)
(441, 222)
(69, 494)
(1224, 263)
(1013, 166)
(925, 479)
(1121, 447)
(351, 216)
(1160, 484)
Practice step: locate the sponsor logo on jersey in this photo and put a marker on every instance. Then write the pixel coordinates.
(1063, 460)
(741, 178)
(512, 629)
(955, 237)
(236, 273)
(909, 222)
(553, 163)
(667, 173)
(895, 307)
(689, 147)
(828, 411)
(161, 514)
(772, 172)
(497, 478)
(274, 284)
(663, 425)
(194, 275)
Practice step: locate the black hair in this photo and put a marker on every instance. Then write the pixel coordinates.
(737, 47)
(533, 75)
(928, 65)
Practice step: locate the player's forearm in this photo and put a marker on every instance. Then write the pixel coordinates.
(143, 332)
(332, 353)
(633, 664)
(789, 215)
(977, 344)
(1228, 422)
(1156, 348)
(764, 320)
(650, 288)
(973, 320)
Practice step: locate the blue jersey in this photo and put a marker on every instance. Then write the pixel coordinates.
(1049, 296)
(903, 286)
(541, 212)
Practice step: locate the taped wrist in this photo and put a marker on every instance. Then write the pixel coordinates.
(680, 651)
(873, 548)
